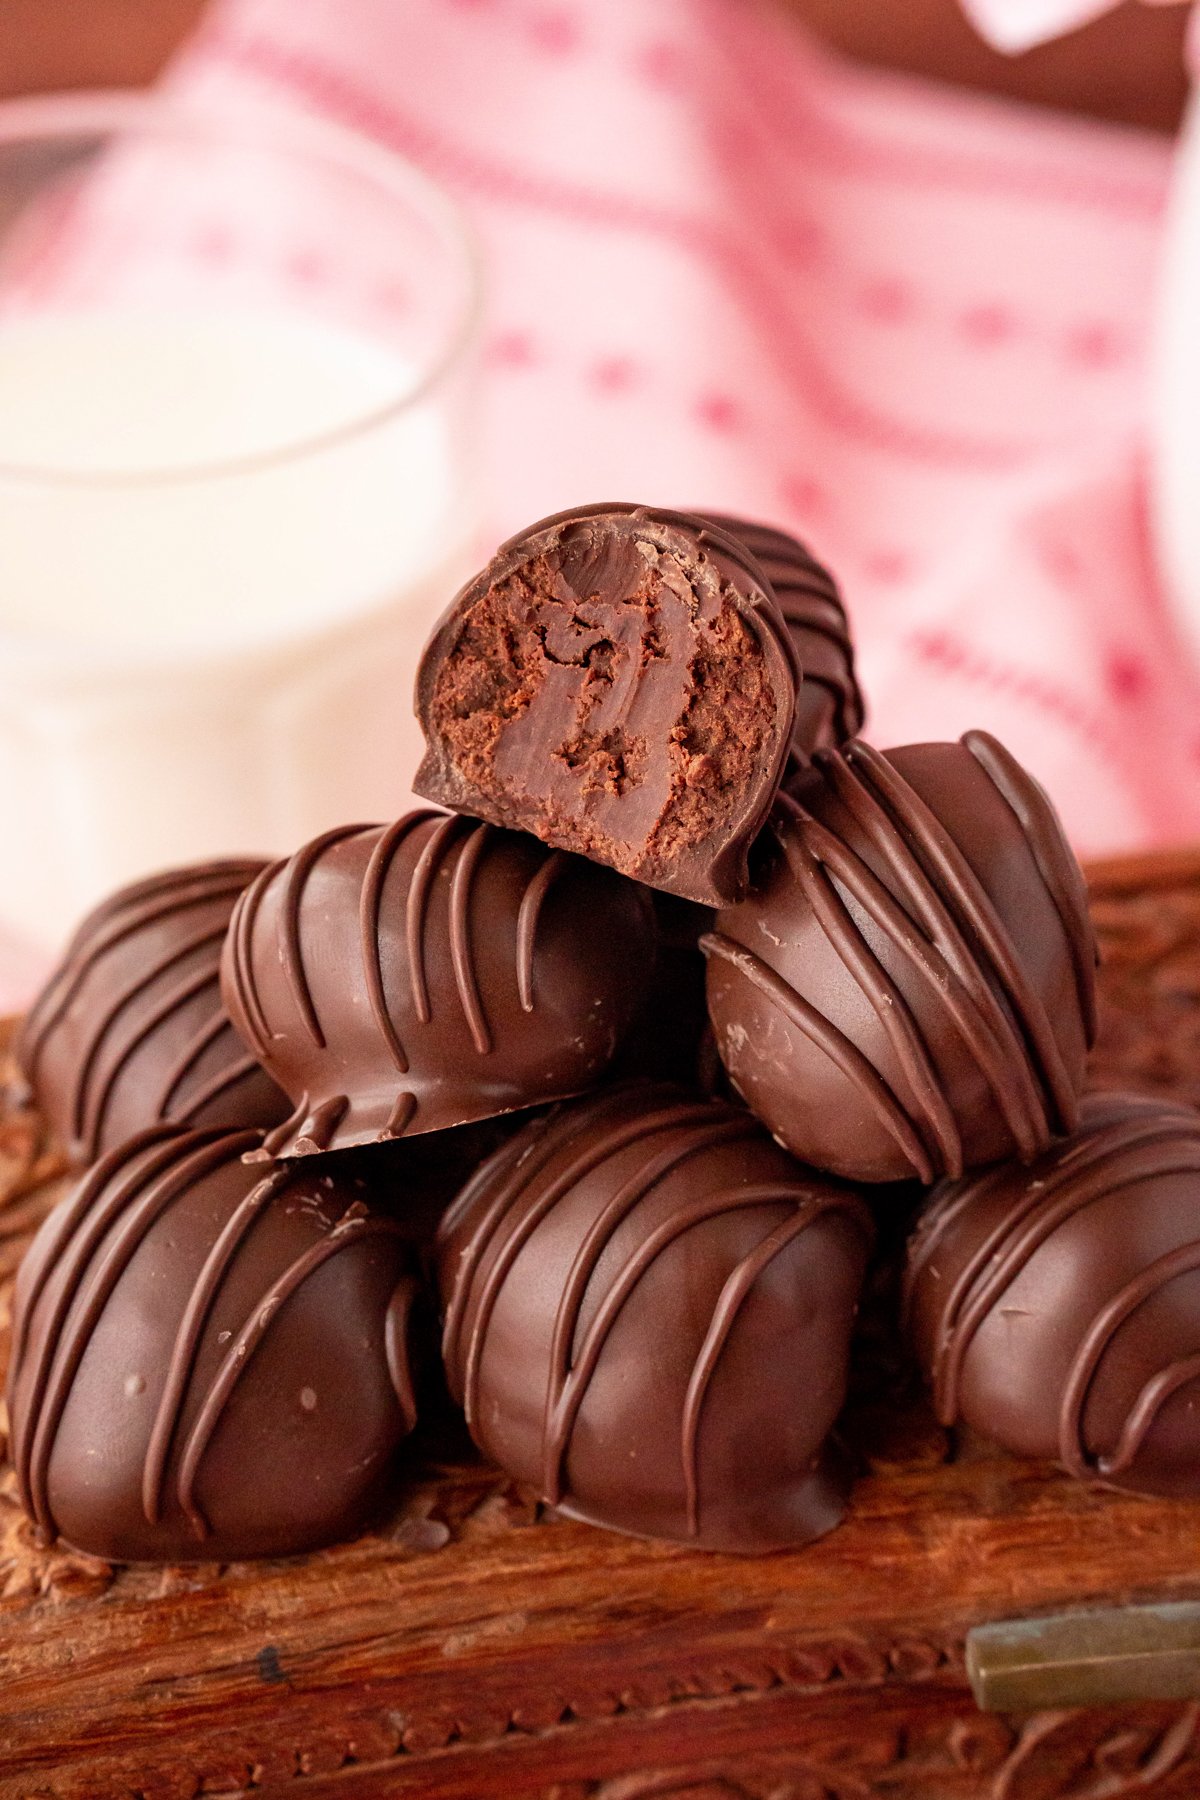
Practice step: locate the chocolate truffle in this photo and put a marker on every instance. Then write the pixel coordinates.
(829, 705)
(206, 1363)
(910, 992)
(648, 1307)
(130, 1031)
(429, 973)
(619, 681)
(1056, 1308)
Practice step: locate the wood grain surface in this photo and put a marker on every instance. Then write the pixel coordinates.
(472, 1648)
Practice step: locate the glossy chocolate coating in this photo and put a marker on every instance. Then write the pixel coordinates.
(829, 704)
(648, 1307)
(130, 1031)
(206, 1363)
(620, 682)
(1056, 1308)
(910, 992)
(428, 973)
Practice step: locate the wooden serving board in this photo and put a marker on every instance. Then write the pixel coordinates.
(470, 1648)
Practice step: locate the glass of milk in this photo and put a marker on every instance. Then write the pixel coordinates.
(237, 361)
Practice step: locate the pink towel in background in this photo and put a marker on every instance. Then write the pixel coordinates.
(908, 324)
(727, 271)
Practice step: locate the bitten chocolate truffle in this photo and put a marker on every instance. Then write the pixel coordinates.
(648, 1307)
(1056, 1308)
(620, 682)
(130, 1031)
(829, 705)
(910, 992)
(206, 1363)
(430, 973)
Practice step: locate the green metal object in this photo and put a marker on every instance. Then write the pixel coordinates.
(1087, 1658)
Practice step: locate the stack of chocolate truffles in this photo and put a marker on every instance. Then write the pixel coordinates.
(606, 1065)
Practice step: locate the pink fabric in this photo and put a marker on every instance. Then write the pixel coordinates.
(727, 271)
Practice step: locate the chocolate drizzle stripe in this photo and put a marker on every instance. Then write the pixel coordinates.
(1108, 1162)
(233, 986)
(88, 1129)
(772, 547)
(984, 1025)
(109, 1017)
(397, 1330)
(1184, 1260)
(225, 876)
(940, 1212)
(798, 580)
(1006, 1063)
(278, 1136)
(730, 1301)
(400, 1117)
(87, 951)
(355, 1227)
(959, 885)
(947, 1205)
(621, 1134)
(896, 1018)
(290, 896)
(67, 1221)
(1056, 865)
(201, 1040)
(846, 1056)
(317, 1131)
(822, 620)
(817, 611)
(847, 721)
(182, 1360)
(417, 909)
(1145, 1411)
(596, 1240)
(499, 1166)
(1041, 1216)
(372, 891)
(810, 601)
(527, 923)
(987, 1027)
(466, 976)
(255, 1027)
(132, 1210)
(220, 1083)
(574, 1390)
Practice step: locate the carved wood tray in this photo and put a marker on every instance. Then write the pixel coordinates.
(470, 1648)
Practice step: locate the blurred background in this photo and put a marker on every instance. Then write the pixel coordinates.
(1126, 65)
(914, 282)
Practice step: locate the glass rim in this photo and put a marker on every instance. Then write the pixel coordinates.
(45, 118)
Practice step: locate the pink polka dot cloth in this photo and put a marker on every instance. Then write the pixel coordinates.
(728, 271)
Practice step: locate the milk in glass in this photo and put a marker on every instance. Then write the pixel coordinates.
(223, 539)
